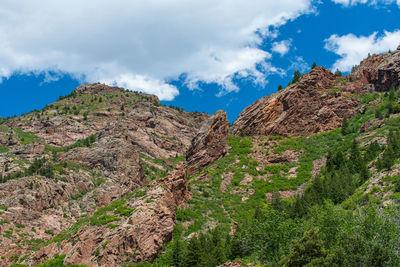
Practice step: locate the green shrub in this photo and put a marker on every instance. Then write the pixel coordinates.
(49, 232)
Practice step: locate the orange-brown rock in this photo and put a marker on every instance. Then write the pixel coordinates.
(129, 127)
(210, 142)
(388, 72)
(138, 237)
(309, 106)
(155, 129)
(114, 154)
(365, 74)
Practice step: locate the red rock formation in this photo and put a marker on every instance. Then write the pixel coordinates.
(209, 144)
(136, 238)
(365, 73)
(388, 73)
(86, 178)
(309, 106)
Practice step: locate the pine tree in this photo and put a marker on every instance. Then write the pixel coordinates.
(218, 254)
(258, 214)
(276, 201)
(345, 126)
(356, 159)
(307, 251)
(296, 76)
(313, 65)
(388, 159)
(194, 253)
(177, 253)
(280, 87)
(299, 209)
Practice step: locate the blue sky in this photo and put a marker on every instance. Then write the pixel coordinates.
(201, 57)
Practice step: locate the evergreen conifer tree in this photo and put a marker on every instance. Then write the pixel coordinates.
(313, 65)
(296, 76)
(345, 126)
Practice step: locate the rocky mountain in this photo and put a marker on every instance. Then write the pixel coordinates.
(319, 101)
(109, 177)
(84, 152)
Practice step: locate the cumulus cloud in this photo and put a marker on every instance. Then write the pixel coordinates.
(298, 63)
(369, 2)
(352, 49)
(281, 47)
(142, 45)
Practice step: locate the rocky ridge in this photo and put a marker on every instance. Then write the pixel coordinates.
(319, 101)
(98, 189)
(210, 142)
(99, 175)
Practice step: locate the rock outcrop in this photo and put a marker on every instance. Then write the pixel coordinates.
(155, 129)
(137, 237)
(209, 144)
(95, 146)
(388, 73)
(309, 106)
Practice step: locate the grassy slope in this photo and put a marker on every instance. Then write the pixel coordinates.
(210, 206)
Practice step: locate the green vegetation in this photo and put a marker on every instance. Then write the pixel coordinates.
(3, 149)
(313, 65)
(157, 168)
(296, 77)
(57, 261)
(335, 222)
(25, 137)
(49, 232)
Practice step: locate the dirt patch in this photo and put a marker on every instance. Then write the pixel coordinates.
(292, 172)
(226, 180)
(318, 164)
(247, 179)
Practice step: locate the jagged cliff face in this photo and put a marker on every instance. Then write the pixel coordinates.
(148, 222)
(319, 101)
(210, 142)
(97, 146)
(158, 130)
(77, 176)
(309, 106)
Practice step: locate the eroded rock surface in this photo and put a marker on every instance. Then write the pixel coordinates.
(84, 152)
(388, 73)
(137, 237)
(309, 106)
(209, 144)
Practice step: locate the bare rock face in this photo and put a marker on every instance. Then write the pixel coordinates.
(114, 154)
(365, 73)
(138, 237)
(29, 151)
(388, 73)
(75, 178)
(309, 106)
(210, 142)
(155, 129)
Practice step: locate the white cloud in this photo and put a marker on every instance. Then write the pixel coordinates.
(143, 83)
(369, 2)
(298, 63)
(281, 47)
(143, 44)
(353, 49)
